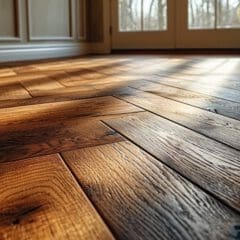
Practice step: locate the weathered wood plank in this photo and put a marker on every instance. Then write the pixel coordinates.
(211, 165)
(223, 129)
(215, 91)
(39, 138)
(141, 198)
(41, 200)
(213, 104)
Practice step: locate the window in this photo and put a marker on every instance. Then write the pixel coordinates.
(142, 15)
(213, 14)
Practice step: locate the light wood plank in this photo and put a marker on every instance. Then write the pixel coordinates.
(41, 200)
(140, 198)
(211, 165)
(215, 91)
(41, 84)
(223, 129)
(209, 78)
(213, 104)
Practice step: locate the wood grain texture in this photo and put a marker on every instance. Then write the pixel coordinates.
(140, 198)
(41, 200)
(215, 91)
(213, 104)
(40, 138)
(223, 129)
(66, 110)
(188, 189)
(211, 165)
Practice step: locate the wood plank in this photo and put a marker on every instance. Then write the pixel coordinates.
(13, 91)
(41, 200)
(141, 198)
(223, 129)
(6, 72)
(213, 104)
(39, 138)
(208, 78)
(41, 84)
(211, 165)
(65, 110)
(75, 93)
(215, 91)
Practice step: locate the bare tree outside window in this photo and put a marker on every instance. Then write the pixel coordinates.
(142, 15)
(201, 14)
(228, 14)
(211, 14)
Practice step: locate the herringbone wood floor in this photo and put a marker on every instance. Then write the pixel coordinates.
(120, 147)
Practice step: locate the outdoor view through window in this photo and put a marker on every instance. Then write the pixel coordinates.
(210, 14)
(151, 15)
(142, 15)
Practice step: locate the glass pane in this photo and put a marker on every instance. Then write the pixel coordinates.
(129, 15)
(201, 14)
(228, 13)
(154, 15)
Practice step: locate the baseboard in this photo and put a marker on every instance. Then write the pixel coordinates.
(10, 53)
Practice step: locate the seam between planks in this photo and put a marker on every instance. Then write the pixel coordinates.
(138, 89)
(158, 115)
(190, 90)
(81, 187)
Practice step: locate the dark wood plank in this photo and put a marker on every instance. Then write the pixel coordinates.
(41, 200)
(223, 129)
(140, 198)
(215, 91)
(39, 138)
(65, 110)
(213, 104)
(211, 165)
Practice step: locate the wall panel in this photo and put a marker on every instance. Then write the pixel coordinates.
(50, 19)
(9, 20)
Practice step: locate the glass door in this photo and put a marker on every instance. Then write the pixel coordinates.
(143, 24)
(208, 24)
(159, 24)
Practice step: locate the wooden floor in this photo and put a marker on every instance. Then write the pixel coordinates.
(121, 147)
